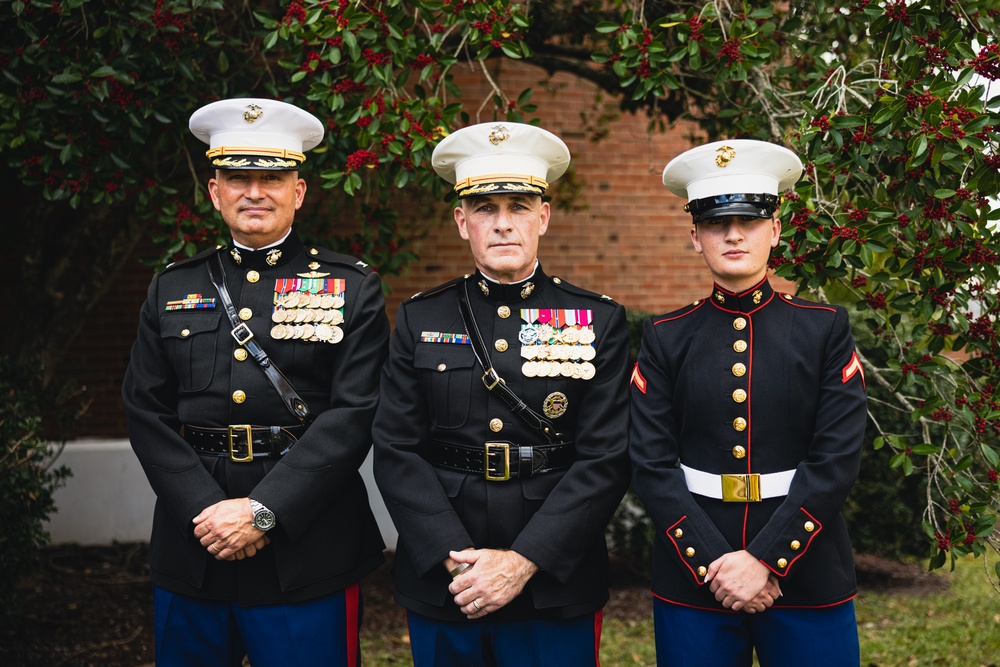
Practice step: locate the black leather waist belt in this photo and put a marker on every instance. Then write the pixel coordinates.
(499, 461)
(243, 442)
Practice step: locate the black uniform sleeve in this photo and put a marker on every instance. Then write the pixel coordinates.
(337, 442)
(654, 450)
(418, 504)
(149, 395)
(822, 480)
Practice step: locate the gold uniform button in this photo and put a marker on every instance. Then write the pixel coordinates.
(782, 563)
(185, 333)
(503, 312)
(252, 276)
(240, 354)
(678, 533)
(795, 545)
(739, 451)
(809, 526)
(702, 571)
(313, 251)
(740, 346)
(739, 396)
(690, 552)
(739, 370)
(442, 368)
(740, 323)
(496, 425)
(557, 281)
(500, 345)
(239, 396)
(740, 424)
(245, 314)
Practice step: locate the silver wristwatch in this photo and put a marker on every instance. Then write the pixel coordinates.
(263, 518)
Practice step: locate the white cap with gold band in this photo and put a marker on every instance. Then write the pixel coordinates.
(255, 133)
(500, 158)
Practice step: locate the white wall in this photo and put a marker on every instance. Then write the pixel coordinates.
(109, 500)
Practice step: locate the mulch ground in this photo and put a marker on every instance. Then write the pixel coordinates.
(92, 606)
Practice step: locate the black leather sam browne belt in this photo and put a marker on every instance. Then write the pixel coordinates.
(243, 442)
(499, 461)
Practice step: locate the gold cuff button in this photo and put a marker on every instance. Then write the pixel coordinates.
(809, 526)
(500, 345)
(795, 545)
(240, 354)
(739, 451)
(702, 571)
(739, 396)
(245, 314)
(496, 425)
(690, 552)
(503, 312)
(678, 533)
(739, 370)
(185, 333)
(782, 563)
(239, 396)
(252, 276)
(740, 424)
(740, 323)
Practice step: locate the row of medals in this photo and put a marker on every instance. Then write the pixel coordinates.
(555, 352)
(309, 317)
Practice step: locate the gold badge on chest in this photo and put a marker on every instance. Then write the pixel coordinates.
(555, 405)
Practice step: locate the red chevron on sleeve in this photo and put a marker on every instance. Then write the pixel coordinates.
(637, 379)
(852, 367)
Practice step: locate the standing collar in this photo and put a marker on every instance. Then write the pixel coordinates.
(508, 292)
(265, 258)
(743, 302)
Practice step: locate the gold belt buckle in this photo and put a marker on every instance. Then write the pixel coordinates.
(236, 433)
(741, 488)
(494, 475)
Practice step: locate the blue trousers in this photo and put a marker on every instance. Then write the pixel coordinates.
(823, 637)
(208, 633)
(570, 643)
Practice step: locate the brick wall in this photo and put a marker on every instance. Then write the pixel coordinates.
(626, 235)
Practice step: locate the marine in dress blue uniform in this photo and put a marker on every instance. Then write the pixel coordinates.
(262, 527)
(748, 410)
(501, 558)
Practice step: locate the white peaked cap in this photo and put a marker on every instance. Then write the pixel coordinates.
(750, 173)
(500, 158)
(255, 133)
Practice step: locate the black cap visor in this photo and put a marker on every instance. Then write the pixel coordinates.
(746, 205)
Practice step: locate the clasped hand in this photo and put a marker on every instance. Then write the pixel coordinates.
(742, 583)
(226, 530)
(494, 578)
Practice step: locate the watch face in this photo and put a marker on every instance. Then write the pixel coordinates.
(263, 520)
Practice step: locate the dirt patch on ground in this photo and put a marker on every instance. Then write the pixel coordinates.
(92, 606)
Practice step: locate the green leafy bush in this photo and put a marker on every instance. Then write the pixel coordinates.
(27, 476)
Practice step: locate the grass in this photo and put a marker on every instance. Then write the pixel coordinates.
(957, 628)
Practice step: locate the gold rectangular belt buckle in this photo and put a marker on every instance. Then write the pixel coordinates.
(237, 433)
(741, 488)
(495, 475)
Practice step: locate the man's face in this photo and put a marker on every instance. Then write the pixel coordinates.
(736, 249)
(258, 205)
(503, 232)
